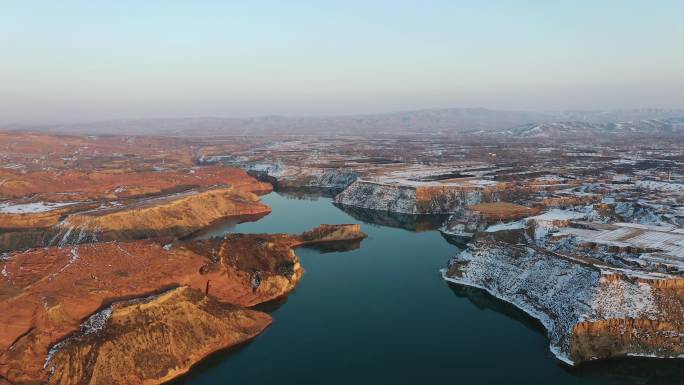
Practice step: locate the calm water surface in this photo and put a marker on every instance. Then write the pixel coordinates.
(381, 314)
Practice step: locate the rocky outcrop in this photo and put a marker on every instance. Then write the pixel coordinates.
(376, 196)
(326, 178)
(640, 212)
(262, 267)
(182, 325)
(461, 227)
(76, 206)
(13, 222)
(331, 233)
(176, 216)
(20, 231)
(419, 198)
(45, 294)
(290, 177)
(589, 311)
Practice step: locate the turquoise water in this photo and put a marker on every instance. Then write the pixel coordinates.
(381, 314)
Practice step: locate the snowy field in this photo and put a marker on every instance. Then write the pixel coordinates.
(28, 208)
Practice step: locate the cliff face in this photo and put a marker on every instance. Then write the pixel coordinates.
(75, 206)
(417, 198)
(381, 197)
(46, 293)
(333, 179)
(30, 221)
(656, 334)
(175, 216)
(459, 228)
(554, 291)
(331, 233)
(262, 267)
(183, 325)
(291, 177)
(588, 312)
(34, 229)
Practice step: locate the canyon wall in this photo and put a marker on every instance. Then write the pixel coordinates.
(418, 198)
(175, 216)
(588, 312)
(46, 293)
(289, 177)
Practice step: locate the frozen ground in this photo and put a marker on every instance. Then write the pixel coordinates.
(28, 208)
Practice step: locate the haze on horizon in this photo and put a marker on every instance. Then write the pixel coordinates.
(84, 60)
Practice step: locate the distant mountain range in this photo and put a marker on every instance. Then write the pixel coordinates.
(572, 129)
(448, 121)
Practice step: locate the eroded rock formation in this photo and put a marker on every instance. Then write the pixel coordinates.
(77, 206)
(151, 340)
(411, 197)
(178, 215)
(45, 294)
(594, 302)
(288, 178)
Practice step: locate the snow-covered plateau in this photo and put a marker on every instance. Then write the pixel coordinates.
(616, 290)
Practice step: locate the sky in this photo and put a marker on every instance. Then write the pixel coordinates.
(64, 61)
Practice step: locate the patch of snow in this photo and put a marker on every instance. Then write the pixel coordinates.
(93, 324)
(554, 291)
(506, 226)
(96, 322)
(621, 299)
(558, 215)
(73, 255)
(27, 208)
(660, 186)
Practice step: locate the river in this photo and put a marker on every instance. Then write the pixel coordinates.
(382, 314)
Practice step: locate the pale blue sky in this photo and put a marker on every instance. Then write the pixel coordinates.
(81, 60)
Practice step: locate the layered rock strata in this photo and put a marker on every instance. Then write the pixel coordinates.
(421, 198)
(594, 302)
(288, 178)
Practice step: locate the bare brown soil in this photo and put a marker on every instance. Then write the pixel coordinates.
(503, 211)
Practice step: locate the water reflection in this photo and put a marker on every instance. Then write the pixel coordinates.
(397, 220)
(632, 370)
(485, 301)
(220, 228)
(308, 193)
(642, 371)
(335, 247)
(350, 310)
